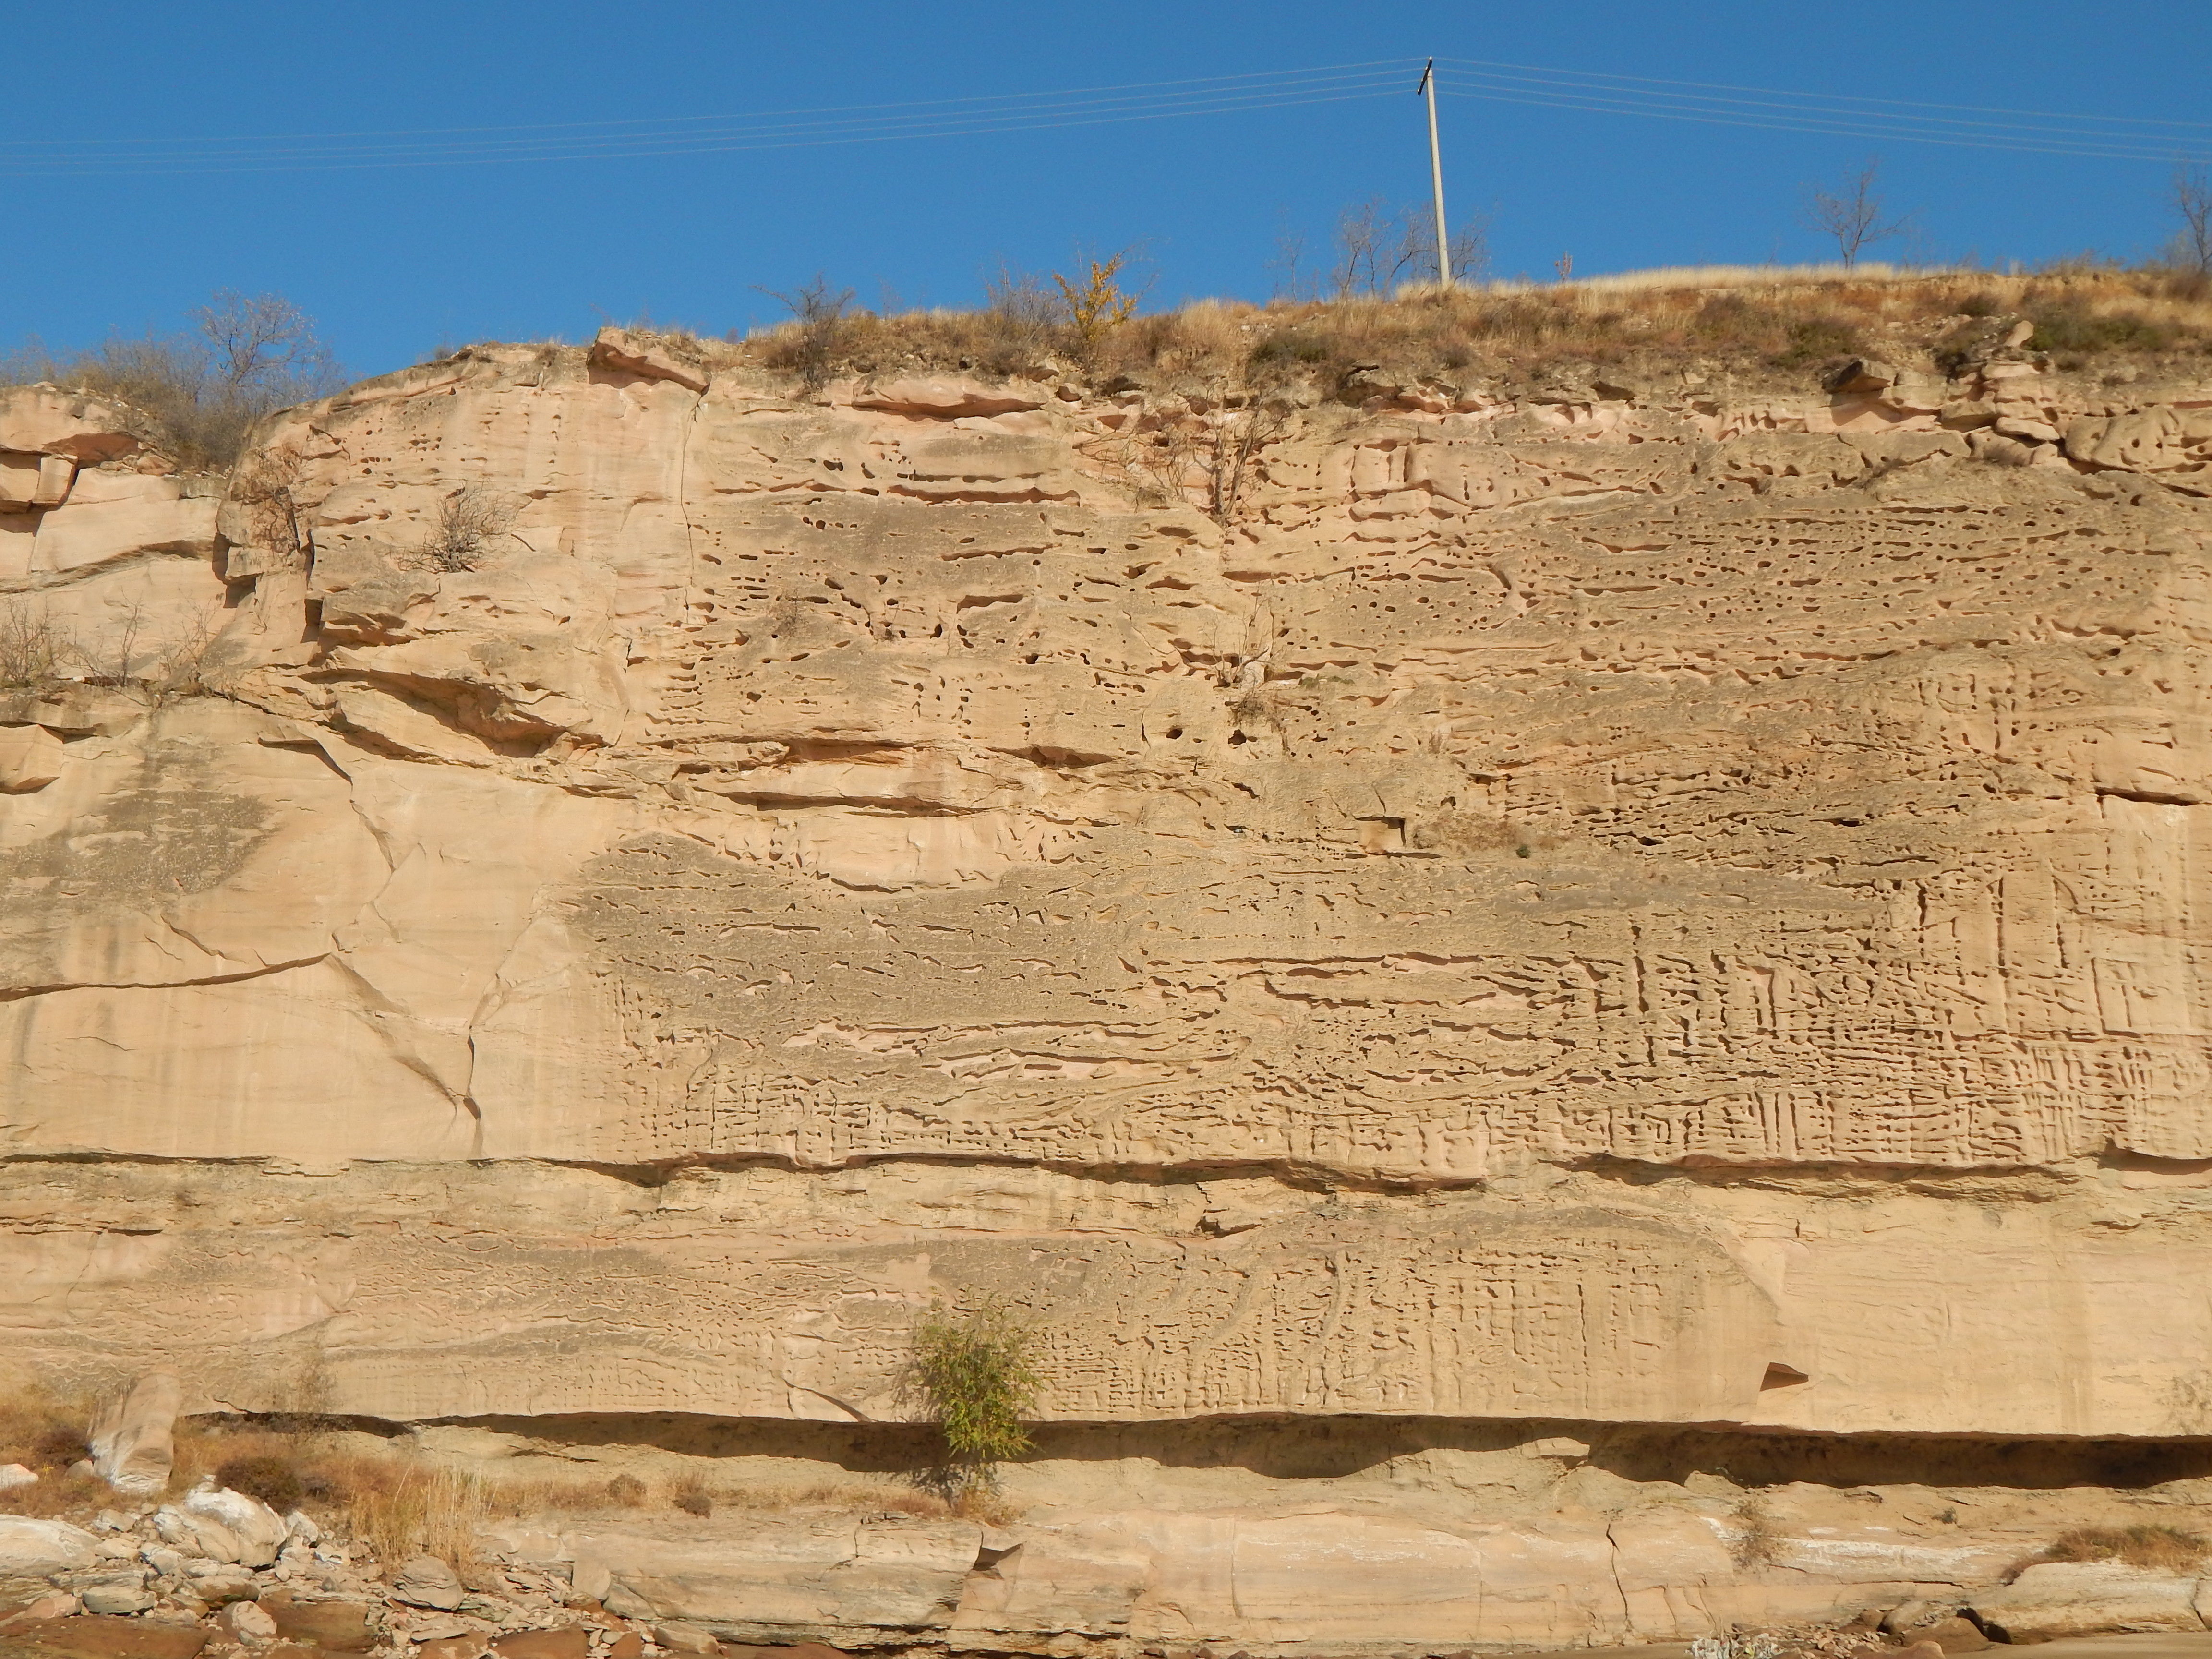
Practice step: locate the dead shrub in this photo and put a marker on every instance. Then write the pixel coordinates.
(268, 1476)
(469, 521)
(812, 343)
(626, 1492)
(1758, 1539)
(2160, 1549)
(34, 647)
(203, 389)
(693, 1498)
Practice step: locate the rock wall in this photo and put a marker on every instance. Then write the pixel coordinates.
(1635, 903)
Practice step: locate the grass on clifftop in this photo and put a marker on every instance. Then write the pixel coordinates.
(1762, 325)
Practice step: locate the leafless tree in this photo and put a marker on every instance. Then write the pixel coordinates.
(264, 349)
(2192, 200)
(1851, 213)
(820, 314)
(1379, 247)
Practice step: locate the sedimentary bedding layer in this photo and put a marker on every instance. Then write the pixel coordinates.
(575, 892)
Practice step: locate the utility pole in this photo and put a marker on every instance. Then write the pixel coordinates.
(1437, 175)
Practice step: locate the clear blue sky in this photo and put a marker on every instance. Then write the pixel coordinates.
(392, 261)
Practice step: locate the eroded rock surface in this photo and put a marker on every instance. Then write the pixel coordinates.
(1627, 905)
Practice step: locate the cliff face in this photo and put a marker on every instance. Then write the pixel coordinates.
(1643, 905)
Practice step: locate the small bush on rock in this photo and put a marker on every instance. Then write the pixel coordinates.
(693, 1498)
(626, 1490)
(973, 1376)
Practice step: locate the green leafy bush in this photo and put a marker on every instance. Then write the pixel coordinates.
(974, 1375)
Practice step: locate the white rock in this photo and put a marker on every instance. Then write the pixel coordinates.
(14, 1474)
(260, 1532)
(31, 1548)
(246, 1621)
(133, 1439)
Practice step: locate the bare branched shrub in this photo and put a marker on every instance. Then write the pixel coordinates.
(470, 520)
(973, 1376)
(1379, 247)
(2193, 201)
(111, 657)
(182, 669)
(203, 390)
(1226, 458)
(1021, 316)
(1758, 1539)
(692, 1498)
(820, 316)
(626, 1492)
(34, 647)
(1851, 214)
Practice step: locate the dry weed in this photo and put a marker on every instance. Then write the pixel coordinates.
(1775, 324)
(2161, 1549)
(1758, 1537)
(44, 1431)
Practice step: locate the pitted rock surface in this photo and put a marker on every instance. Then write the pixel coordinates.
(1627, 905)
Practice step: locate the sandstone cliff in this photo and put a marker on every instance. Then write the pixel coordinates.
(598, 883)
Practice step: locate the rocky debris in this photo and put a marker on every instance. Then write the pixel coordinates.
(134, 1439)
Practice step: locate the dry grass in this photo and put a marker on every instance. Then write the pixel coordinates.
(1785, 325)
(2161, 1549)
(44, 1431)
(395, 1504)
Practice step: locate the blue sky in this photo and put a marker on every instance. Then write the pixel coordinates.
(394, 260)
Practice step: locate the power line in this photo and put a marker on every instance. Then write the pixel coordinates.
(710, 135)
(2041, 132)
(1821, 115)
(1831, 98)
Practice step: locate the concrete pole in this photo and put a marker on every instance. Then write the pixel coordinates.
(1437, 176)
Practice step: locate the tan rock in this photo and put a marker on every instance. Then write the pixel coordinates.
(922, 398)
(39, 419)
(619, 349)
(246, 1621)
(2056, 1599)
(30, 758)
(112, 516)
(1594, 914)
